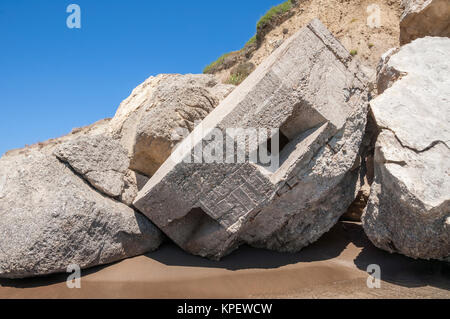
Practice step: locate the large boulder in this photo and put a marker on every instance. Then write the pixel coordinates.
(314, 94)
(145, 121)
(53, 217)
(409, 205)
(422, 18)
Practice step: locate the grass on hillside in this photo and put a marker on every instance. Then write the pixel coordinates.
(273, 12)
(251, 41)
(216, 63)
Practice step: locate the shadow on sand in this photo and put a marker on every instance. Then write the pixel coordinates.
(396, 269)
(328, 247)
(44, 281)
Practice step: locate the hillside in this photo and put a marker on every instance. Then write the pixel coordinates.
(346, 19)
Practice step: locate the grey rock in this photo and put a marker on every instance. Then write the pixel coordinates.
(422, 18)
(133, 183)
(314, 92)
(409, 205)
(51, 218)
(101, 160)
(146, 121)
(386, 75)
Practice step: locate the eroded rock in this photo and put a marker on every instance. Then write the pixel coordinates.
(146, 121)
(51, 218)
(409, 205)
(424, 18)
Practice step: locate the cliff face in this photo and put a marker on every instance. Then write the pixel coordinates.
(366, 28)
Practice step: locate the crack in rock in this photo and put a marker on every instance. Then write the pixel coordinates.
(429, 147)
(86, 181)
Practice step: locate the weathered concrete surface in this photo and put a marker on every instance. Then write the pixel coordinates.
(315, 93)
(146, 120)
(424, 18)
(409, 205)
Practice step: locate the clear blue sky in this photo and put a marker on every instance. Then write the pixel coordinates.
(53, 78)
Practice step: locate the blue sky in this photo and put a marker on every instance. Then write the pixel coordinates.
(53, 78)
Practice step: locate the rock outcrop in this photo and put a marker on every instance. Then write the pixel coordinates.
(310, 89)
(51, 218)
(145, 121)
(409, 205)
(424, 18)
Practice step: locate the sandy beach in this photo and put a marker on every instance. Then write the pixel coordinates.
(333, 267)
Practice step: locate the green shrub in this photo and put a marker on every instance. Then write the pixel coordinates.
(216, 63)
(240, 72)
(353, 52)
(236, 79)
(274, 11)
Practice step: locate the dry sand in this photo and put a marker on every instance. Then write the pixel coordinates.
(334, 267)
